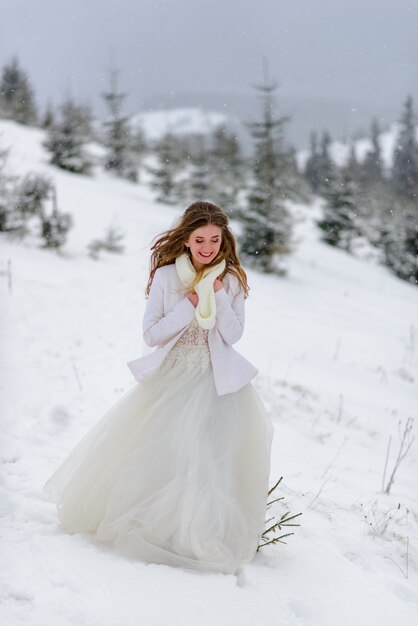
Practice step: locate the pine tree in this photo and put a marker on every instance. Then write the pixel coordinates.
(226, 165)
(374, 203)
(138, 141)
(48, 118)
(410, 248)
(339, 221)
(165, 174)
(17, 100)
(353, 166)
(373, 164)
(6, 194)
(326, 163)
(112, 242)
(32, 193)
(266, 222)
(398, 238)
(295, 176)
(200, 175)
(67, 136)
(117, 134)
(405, 160)
(313, 164)
(36, 198)
(55, 225)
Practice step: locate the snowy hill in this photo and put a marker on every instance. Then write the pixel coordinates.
(336, 345)
(180, 121)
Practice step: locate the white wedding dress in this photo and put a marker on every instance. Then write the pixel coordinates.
(173, 473)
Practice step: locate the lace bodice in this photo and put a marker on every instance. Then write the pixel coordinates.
(194, 335)
(192, 348)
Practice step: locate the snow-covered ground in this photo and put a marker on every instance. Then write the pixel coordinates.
(336, 345)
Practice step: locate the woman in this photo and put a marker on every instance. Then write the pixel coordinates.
(177, 470)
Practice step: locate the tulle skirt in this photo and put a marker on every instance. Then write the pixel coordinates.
(172, 473)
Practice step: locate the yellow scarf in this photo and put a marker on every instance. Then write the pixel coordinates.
(205, 311)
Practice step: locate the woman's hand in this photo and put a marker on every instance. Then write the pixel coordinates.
(193, 297)
(217, 285)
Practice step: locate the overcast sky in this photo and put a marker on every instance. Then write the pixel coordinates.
(363, 51)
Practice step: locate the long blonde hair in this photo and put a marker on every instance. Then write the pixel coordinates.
(170, 244)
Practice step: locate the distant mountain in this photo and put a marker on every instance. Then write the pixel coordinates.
(340, 150)
(192, 120)
(181, 121)
(342, 119)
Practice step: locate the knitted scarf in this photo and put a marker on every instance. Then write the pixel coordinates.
(205, 311)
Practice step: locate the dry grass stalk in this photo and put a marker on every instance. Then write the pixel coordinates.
(283, 521)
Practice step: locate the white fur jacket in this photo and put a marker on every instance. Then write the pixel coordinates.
(168, 312)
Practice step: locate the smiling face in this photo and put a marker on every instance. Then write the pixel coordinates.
(204, 244)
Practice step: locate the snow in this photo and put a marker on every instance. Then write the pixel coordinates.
(336, 345)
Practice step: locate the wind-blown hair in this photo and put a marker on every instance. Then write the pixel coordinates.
(169, 245)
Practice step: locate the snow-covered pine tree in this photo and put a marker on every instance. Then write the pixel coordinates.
(112, 242)
(200, 175)
(405, 158)
(313, 163)
(326, 163)
(398, 239)
(31, 194)
(352, 166)
(6, 190)
(35, 197)
(372, 188)
(48, 117)
(117, 134)
(372, 204)
(138, 142)
(355, 179)
(227, 169)
(67, 137)
(4, 208)
(17, 100)
(169, 159)
(55, 225)
(339, 222)
(372, 167)
(410, 246)
(266, 221)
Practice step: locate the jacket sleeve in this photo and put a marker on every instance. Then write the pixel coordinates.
(230, 316)
(159, 328)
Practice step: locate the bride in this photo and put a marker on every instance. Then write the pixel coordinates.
(177, 470)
